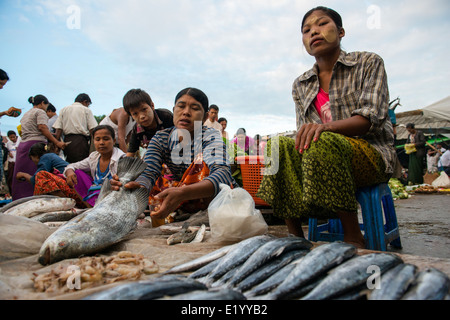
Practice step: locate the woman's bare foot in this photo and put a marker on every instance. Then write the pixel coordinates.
(295, 227)
(352, 231)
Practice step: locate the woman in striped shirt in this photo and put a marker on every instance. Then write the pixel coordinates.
(344, 139)
(194, 155)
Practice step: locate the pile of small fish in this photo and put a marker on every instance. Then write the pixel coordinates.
(187, 234)
(94, 271)
(270, 268)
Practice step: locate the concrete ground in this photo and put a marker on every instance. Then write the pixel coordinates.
(424, 223)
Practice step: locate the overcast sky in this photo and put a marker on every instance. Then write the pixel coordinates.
(244, 54)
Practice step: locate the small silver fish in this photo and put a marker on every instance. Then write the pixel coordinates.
(186, 235)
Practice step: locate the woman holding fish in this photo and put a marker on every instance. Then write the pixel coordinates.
(194, 154)
(344, 140)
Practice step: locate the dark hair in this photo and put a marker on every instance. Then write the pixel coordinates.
(37, 150)
(3, 75)
(82, 97)
(197, 94)
(222, 119)
(213, 106)
(329, 12)
(36, 100)
(134, 98)
(10, 132)
(410, 126)
(104, 126)
(241, 131)
(51, 108)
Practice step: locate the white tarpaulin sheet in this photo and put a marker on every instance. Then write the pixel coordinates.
(440, 109)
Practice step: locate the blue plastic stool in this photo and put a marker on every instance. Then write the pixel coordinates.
(376, 234)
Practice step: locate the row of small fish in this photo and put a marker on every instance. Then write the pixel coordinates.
(266, 268)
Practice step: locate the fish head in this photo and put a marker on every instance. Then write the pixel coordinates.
(52, 251)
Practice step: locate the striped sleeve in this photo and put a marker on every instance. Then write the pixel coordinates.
(215, 156)
(154, 159)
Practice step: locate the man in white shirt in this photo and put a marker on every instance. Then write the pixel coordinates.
(52, 116)
(76, 122)
(444, 162)
(11, 145)
(211, 122)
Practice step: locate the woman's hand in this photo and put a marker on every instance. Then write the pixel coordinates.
(22, 176)
(61, 145)
(71, 178)
(308, 132)
(171, 199)
(116, 184)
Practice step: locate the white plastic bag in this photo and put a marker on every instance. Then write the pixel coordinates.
(233, 216)
(442, 181)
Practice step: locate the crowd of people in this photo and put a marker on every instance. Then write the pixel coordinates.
(69, 154)
(344, 141)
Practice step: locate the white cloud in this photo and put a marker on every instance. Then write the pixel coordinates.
(246, 54)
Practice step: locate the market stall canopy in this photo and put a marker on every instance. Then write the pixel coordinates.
(440, 110)
(432, 120)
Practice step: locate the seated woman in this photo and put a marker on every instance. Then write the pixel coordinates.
(195, 155)
(87, 176)
(344, 140)
(47, 179)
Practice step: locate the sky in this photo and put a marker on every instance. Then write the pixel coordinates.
(244, 54)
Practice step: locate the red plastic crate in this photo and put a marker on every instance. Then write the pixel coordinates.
(251, 175)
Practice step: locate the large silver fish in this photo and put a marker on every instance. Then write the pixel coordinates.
(200, 262)
(268, 252)
(36, 205)
(168, 285)
(430, 284)
(351, 274)
(273, 281)
(315, 263)
(112, 218)
(395, 282)
(238, 254)
(269, 268)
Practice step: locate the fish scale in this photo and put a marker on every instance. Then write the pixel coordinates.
(269, 251)
(112, 218)
(315, 263)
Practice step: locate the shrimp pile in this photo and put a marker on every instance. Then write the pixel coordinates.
(89, 272)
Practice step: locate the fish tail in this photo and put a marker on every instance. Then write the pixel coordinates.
(130, 168)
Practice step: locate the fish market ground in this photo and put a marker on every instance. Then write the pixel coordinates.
(423, 219)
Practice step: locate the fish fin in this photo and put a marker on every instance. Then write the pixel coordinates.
(142, 197)
(130, 168)
(104, 191)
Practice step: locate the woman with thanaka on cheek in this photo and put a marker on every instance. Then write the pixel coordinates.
(191, 177)
(344, 139)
